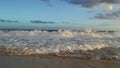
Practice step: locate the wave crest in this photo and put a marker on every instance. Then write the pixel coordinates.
(61, 43)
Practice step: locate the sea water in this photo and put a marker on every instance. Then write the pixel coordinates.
(83, 44)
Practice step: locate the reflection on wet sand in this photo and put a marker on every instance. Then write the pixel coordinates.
(54, 62)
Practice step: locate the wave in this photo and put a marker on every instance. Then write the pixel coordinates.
(83, 44)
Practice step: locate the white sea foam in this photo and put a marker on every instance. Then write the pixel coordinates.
(44, 42)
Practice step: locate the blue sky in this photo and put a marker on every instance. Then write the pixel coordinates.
(59, 14)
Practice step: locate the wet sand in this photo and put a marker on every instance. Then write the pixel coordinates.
(54, 62)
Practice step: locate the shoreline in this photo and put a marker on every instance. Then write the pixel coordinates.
(58, 57)
(54, 62)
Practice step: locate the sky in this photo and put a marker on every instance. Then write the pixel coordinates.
(60, 14)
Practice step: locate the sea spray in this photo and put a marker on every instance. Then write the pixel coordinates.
(84, 44)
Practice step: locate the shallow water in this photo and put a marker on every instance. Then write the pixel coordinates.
(54, 62)
(85, 44)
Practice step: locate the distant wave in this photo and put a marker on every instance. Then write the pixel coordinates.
(85, 44)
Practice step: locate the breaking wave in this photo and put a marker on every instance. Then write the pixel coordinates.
(83, 44)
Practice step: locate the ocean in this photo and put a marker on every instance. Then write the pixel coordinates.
(88, 44)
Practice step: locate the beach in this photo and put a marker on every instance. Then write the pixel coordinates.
(59, 33)
(54, 62)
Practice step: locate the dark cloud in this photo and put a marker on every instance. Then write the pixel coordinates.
(10, 21)
(112, 15)
(83, 3)
(92, 3)
(42, 22)
(88, 3)
(95, 3)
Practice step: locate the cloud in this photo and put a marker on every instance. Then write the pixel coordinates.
(10, 21)
(65, 22)
(89, 3)
(93, 3)
(112, 15)
(96, 3)
(48, 2)
(42, 22)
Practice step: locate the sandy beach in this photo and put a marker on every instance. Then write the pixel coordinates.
(54, 62)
